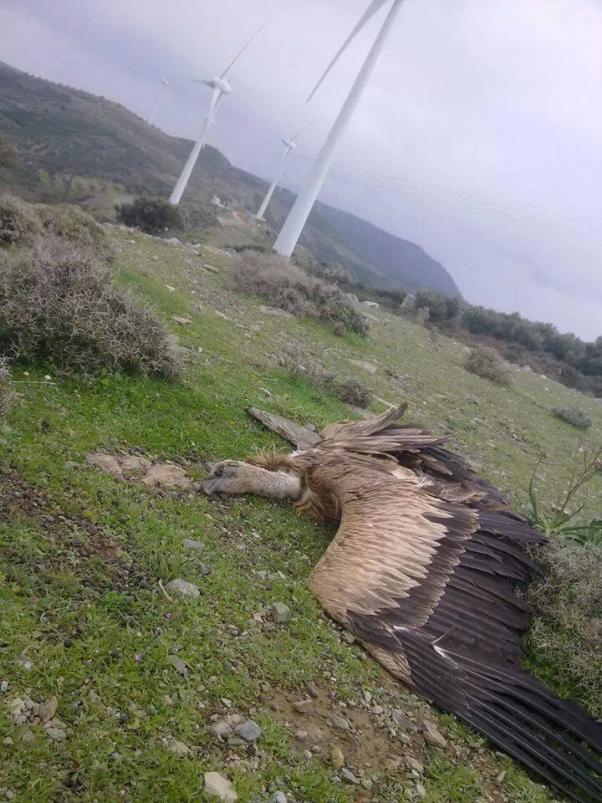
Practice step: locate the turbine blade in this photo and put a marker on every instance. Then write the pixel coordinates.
(241, 51)
(374, 6)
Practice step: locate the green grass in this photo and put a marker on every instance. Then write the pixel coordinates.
(79, 573)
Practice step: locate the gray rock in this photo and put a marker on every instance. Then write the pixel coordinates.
(196, 546)
(176, 747)
(413, 764)
(178, 664)
(48, 709)
(249, 731)
(349, 777)
(371, 304)
(337, 758)
(182, 588)
(220, 729)
(56, 734)
(218, 786)
(181, 320)
(432, 735)
(340, 723)
(4, 686)
(281, 613)
(278, 797)
(303, 706)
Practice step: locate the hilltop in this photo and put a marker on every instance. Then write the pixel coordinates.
(78, 147)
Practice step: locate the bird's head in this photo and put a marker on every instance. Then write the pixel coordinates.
(235, 478)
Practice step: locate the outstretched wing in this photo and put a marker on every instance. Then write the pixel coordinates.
(430, 587)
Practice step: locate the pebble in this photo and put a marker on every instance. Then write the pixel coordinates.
(348, 776)
(167, 475)
(179, 319)
(278, 797)
(178, 664)
(281, 613)
(432, 735)
(340, 723)
(220, 787)
(4, 686)
(182, 588)
(220, 729)
(177, 748)
(48, 709)
(337, 759)
(303, 706)
(420, 791)
(413, 764)
(56, 734)
(106, 463)
(249, 731)
(197, 546)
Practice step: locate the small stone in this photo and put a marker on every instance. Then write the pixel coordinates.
(404, 738)
(420, 791)
(303, 706)
(182, 588)
(301, 735)
(340, 723)
(337, 759)
(432, 735)
(4, 686)
(181, 320)
(349, 777)
(378, 710)
(218, 786)
(105, 462)
(367, 784)
(501, 777)
(176, 747)
(178, 664)
(48, 709)
(196, 546)
(249, 731)
(278, 797)
(56, 734)
(413, 764)
(281, 613)
(27, 736)
(220, 729)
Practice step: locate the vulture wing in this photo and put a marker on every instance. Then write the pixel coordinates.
(429, 584)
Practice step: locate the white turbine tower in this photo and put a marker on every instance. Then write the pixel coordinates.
(289, 147)
(291, 231)
(155, 109)
(220, 86)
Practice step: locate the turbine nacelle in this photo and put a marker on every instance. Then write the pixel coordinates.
(290, 143)
(218, 83)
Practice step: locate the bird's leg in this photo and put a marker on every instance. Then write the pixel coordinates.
(237, 478)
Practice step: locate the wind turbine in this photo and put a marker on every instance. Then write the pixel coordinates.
(162, 88)
(293, 226)
(220, 86)
(289, 147)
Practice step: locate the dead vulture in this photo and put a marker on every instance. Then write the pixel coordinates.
(427, 570)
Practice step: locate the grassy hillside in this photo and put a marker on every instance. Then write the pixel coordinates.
(85, 149)
(140, 678)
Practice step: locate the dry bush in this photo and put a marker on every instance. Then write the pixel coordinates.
(303, 366)
(7, 393)
(59, 305)
(487, 363)
(77, 227)
(567, 632)
(19, 221)
(286, 286)
(573, 416)
(22, 223)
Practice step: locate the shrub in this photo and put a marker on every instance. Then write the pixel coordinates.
(487, 363)
(8, 152)
(285, 285)
(19, 222)
(441, 308)
(567, 632)
(7, 394)
(152, 215)
(59, 305)
(353, 392)
(573, 416)
(76, 226)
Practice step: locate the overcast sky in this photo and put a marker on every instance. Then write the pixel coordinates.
(480, 137)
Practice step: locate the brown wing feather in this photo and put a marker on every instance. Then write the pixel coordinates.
(430, 586)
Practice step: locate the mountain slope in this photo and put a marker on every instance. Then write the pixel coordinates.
(72, 143)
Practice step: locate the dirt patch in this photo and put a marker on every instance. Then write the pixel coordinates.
(77, 540)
